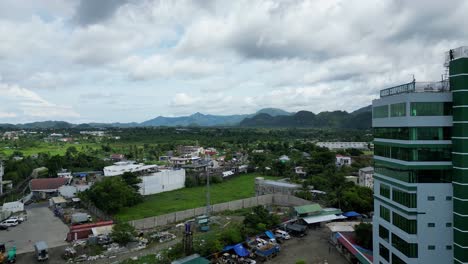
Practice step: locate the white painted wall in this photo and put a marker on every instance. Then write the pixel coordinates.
(162, 181)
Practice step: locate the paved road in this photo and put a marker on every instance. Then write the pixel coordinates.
(41, 225)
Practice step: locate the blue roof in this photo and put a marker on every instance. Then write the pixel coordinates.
(239, 249)
(351, 214)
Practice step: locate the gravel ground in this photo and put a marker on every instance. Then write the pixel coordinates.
(313, 249)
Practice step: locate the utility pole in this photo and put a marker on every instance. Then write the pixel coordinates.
(208, 206)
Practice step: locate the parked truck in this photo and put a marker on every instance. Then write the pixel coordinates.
(42, 251)
(268, 251)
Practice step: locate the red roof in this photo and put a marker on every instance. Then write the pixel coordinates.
(47, 183)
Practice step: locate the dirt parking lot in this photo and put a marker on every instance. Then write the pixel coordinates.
(313, 249)
(41, 225)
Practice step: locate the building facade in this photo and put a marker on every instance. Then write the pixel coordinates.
(366, 177)
(421, 169)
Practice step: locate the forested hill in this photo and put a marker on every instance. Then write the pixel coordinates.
(359, 119)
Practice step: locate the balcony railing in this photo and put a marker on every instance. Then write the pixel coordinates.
(417, 87)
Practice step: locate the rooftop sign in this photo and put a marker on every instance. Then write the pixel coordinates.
(404, 88)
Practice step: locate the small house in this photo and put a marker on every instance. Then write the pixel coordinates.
(44, 187)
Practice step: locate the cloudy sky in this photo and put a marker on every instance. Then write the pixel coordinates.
(132, 60)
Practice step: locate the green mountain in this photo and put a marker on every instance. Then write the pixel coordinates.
(360, 119)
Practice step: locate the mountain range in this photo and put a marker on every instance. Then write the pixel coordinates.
(267, 117)
(359, 119)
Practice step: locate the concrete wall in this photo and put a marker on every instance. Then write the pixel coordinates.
(171, 218)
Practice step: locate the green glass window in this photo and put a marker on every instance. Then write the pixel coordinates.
(383, 233)
(414, 133)
(384, 252)
(385, 213)
(404, 198)
(408, 249)
(380, 111)
(431, 108)
(442, 153)
(397, 260)
(430, 133)
(413, 176)
(398, 109)
(407, 225)
(385, 190)
(392, 132)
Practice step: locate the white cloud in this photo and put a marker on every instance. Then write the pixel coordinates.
(183, 100)
(7, 114)
(158, 66)
(30, 105)
(216, 56)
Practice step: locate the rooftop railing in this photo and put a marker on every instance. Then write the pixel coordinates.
(417, 87)
(460, 52)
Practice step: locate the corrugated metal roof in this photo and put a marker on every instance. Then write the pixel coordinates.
(307, 209)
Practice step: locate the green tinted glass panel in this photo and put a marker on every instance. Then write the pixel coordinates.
(407, 225)
(397, 110)
(461, 207)
(460, 130)
(414, 176)
(458, 66)
(433, 153)
(404, 198)
(385, 190)
(430, 133)
(380, 111)
(460, 114)
(408, 249)
(384, 252)
(397, 260)
(414, 133)
(385, 213)
(460, 191)
(461, 97)
(431, 108)
(383, 233)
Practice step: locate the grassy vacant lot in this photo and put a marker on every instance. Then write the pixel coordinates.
(50, 148)
(240, 187)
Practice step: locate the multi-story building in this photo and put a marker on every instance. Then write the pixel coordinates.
(366, 177)
(421, 169)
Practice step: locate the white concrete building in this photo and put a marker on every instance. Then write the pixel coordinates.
(343, 160)
(366, 177)
(420, 177)
(343, 145)
(13, 207)
(162, 181)
(121, 167)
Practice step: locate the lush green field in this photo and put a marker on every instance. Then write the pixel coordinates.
(50, 148)
(240, 187)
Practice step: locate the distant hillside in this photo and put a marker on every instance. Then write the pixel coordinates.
(360, 119)
(267, 117)
(200, 119)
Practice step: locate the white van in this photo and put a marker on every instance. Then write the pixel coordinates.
(282, 234)
(10, 222)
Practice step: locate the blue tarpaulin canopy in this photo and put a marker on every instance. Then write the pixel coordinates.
(269, 234)
(351, 214)
(239, 249)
